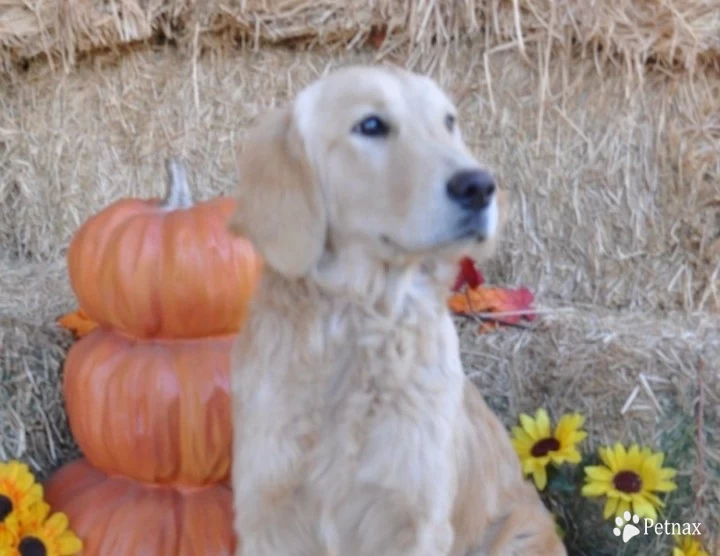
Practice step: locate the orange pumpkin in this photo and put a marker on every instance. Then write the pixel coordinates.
(153, 410)
(164, 269)
(117, 516)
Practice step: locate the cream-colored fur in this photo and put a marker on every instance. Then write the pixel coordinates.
(356, 431)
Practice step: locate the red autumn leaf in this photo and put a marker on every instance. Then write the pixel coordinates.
(518, 302)
(78, 323)
(377, 36)
(468, 275)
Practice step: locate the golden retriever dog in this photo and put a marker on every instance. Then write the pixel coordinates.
(356, 432)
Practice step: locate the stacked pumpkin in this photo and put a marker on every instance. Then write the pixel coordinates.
(147, 391)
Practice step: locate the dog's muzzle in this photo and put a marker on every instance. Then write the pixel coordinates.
(473, 191)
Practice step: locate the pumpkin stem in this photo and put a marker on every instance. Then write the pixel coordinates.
(178, 194)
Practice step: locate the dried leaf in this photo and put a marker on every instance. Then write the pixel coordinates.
(78, 323)
(488, 327)
(468, 275)
(495, 300)
(377, 36)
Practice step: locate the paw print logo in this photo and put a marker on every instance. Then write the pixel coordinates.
(624, 527)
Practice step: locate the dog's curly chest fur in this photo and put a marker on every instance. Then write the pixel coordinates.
(376, 391)
(354, 361)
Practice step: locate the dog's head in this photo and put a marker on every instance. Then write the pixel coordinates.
(369, 159)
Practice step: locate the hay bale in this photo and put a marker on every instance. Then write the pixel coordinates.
(670, 33)
(592, 361)
(33, 424)
(612, 180)
(34, 292)
(636, 378)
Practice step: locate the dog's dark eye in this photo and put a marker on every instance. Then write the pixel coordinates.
(372, 127)
(450, 122)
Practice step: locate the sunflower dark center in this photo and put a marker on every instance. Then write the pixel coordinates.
(627, 481)
(6, 507)
(32, 546)
(542, 447)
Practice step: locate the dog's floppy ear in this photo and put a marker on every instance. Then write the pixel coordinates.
(279, 203)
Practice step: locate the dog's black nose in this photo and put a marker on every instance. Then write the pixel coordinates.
(472, 189)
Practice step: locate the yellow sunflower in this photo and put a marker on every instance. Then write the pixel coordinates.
(8, 531)
(629, 478)
(688, 546)
(41, 535)
(18, 494)
(537, 446)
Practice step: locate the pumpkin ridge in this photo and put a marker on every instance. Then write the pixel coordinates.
(151, 410)
(135, 243)
(91, 240)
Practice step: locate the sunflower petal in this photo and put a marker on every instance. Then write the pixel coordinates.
(564, 428)
(634, 459)
(568, 429)
(522, 450)
(576, 437)
(652, 464)
(593, 489)
(622, 507)
(624, 496)
(58, 522)
(667, 473)
(6, 535)
(570, 455)
(521, 434)
(12, 470)
(645, 452)
(521, 442)
(599, 473)
(69, 544)
(620, 454)
(528, 465)
(576, 420)
(665, 486)
(540, 478)
(529, 425)
(610, 507)
(660, 458)
(654, 500)
(36, 515)
(644, 508)
(9, 528)
(23, 481)
(603, 456)
(607, 455)
(34, 494)
(542, 421)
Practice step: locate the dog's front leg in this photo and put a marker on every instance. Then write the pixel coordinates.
(375, 520)
(268, 473)
(525, 527)
(395, 500)
(272, 513)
